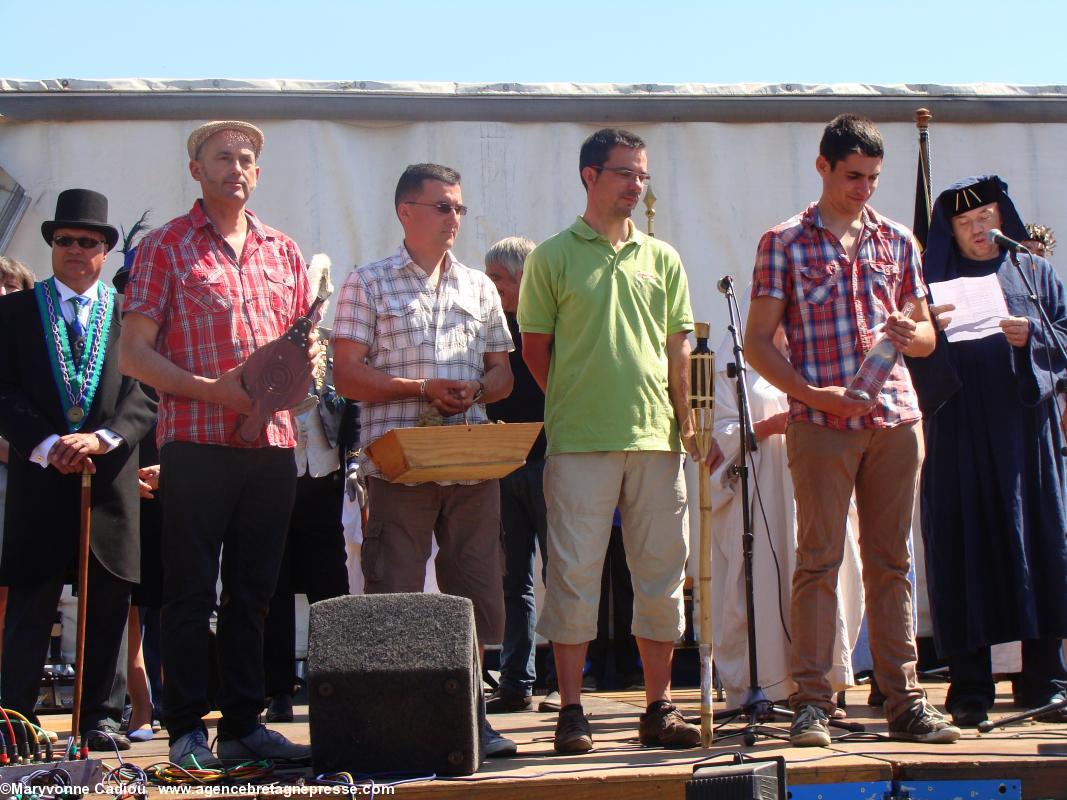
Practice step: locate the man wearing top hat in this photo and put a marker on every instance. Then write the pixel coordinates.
(64, 406)
(206, 290)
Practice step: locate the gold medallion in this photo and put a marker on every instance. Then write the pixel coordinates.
(75, 414)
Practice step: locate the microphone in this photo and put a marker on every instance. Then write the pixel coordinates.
(997, 237)
(726, 284)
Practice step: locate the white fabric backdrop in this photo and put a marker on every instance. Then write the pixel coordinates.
(330, 184)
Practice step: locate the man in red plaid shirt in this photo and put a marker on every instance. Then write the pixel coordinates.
(205, 291)
(830, 275)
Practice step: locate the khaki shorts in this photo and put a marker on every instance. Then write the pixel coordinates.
(582, 491)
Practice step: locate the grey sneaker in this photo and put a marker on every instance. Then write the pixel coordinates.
(190, 751)
(923, 723)
(263, 744)
(495, 745)
(810, 728)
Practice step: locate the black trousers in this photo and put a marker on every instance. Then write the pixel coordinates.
(313, 564)
(971, 675)
(31, 610)
(237, 502)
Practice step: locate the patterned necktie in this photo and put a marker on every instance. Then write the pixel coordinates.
(77, 326)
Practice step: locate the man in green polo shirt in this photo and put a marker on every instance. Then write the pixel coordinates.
(605, 316)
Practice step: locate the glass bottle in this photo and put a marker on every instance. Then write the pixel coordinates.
(877, 364)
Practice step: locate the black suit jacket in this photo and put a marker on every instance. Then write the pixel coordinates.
(41, 518)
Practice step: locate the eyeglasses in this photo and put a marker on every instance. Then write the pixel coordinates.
(84, 242)
(627, 174)
(442, 207)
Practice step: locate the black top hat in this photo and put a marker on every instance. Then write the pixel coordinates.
(81, 208)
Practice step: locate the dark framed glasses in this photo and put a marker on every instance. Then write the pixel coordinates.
(84, 242)
(442, 207)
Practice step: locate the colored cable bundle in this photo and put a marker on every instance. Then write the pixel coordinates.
(167, 773)
(119, 780)
(19, 748)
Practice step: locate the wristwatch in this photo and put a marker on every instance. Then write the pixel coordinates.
(478, 394)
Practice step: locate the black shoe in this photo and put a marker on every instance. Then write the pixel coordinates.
(280, 709)
(504, 701)
(968, 713)
(876, 698)
(106, 739)
(1057, 715)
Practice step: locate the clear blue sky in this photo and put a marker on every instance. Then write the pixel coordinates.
(893, 41)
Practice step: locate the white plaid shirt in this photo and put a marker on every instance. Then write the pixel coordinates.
(414, 331)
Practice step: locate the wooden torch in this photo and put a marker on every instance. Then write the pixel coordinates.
(702, 409)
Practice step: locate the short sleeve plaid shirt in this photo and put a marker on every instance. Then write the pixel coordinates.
(213, 310)
(832, 304)
(414, 331)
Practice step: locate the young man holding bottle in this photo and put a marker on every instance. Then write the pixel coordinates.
(831, 274)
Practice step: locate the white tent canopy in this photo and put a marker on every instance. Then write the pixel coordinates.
(728, 161)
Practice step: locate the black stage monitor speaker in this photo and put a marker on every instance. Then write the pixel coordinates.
(394, 685)
(751, 779)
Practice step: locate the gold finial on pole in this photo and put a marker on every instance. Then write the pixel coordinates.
(650, 212)
(922, 118)
(702, 416)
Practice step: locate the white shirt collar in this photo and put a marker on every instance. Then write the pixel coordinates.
(65, 292)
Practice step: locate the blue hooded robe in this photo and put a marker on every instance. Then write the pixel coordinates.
(993, 485)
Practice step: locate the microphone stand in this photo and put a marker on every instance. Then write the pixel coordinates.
(756, 706)
(1060, 387)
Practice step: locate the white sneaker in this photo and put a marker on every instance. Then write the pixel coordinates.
(263, 744)
(190, 751)
(550, 703)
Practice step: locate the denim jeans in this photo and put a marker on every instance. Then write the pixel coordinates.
(523, 516)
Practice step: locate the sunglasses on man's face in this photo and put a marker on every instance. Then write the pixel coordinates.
(442, 207)
(84, 242)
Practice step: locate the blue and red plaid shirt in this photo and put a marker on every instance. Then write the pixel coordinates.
(832, 304)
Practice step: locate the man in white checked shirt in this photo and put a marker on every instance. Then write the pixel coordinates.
(414, 332)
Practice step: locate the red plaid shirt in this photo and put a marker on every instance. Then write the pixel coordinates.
(832, 304)
(213, 311)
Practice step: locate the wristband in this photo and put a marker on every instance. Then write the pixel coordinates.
(422, 388)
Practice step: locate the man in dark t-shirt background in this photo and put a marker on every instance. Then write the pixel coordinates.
(522, 499)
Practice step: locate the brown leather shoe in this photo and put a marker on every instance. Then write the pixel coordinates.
(662, 725)
(572, 731)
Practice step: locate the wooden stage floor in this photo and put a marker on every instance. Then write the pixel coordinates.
(619, 768)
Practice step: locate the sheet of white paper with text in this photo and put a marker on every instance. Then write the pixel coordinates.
(979, 305)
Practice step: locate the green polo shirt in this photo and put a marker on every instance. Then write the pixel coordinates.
(610, 313)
